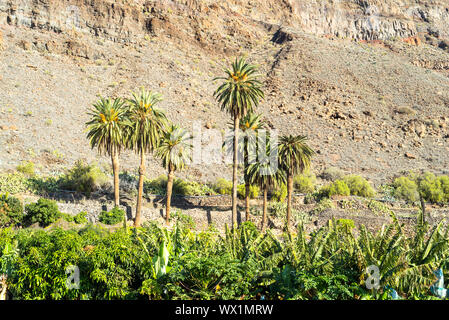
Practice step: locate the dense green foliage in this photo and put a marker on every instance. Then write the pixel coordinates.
(432, 188)
(114, 216)
(155, 263)
(44, 212)
(254, 191)
(337, 188)
(223, 186)
(11, 210)
(405, 189)
(181, 187)
(305, 183)
(27, 168)
(79, 218)
(359, 186)
(85, 178)
(13, 183)
(349, 185)
(279, 192)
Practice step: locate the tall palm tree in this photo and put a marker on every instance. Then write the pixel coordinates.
(147, 123)
(266, 175)
(239, 93)
(250, 125)
(175, 151)
(106, 132)
(295, 156)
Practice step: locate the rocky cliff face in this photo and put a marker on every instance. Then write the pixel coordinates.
(367, 81)
(207, 21)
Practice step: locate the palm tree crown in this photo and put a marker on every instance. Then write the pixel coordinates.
(106, 129)
(174, 148)
(147, 121)
(294, 153)
(264, 172)
(240, 90)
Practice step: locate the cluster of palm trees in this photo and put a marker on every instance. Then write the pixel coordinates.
(239, 94)
(136, 123)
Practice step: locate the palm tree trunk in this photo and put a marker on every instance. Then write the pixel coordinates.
(115, 170)
(234, 173)
(289, 198)
(264, 217)
(246, 178)
(169, 192)
(247, 201)
(140, 191)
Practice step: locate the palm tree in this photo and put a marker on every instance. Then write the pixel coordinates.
(237, 95)
(266, 175)
(147, 123)
(174, 150)
(250, 124)
(295, 156)
(106, 131)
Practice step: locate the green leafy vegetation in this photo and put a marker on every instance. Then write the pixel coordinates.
(337, 188)
(254, 191)
(332, 174)
(79, 218)
(432, 188)
(156, 263)
(405, 189)
(27, 168)
(359, 186)
(305, 183)
(11, 210)
(44, 212)
(86, 178)
(13, 183)
(181, 187)
(279, 193)
(112, 217)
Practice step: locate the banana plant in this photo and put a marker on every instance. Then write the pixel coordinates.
(7, 260)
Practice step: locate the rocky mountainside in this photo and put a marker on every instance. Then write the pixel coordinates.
(367, 81)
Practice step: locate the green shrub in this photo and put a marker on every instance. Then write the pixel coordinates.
(156, 186)
(191, 188)
(430, 188)
(332, 174)
(13, 183)
(11, 210)
(183, 219)
(80, 218)
(180, 187)
(112, 217)
(253, 191)
(359, 186)
(223, 186)
(305, 183)
(279, 193)
(444, 183)
(85, 178)
(27, 168)
(43, 185)
(44, 212)
(67, 217)
(405, 189)
(346, 223)
(337, 188)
